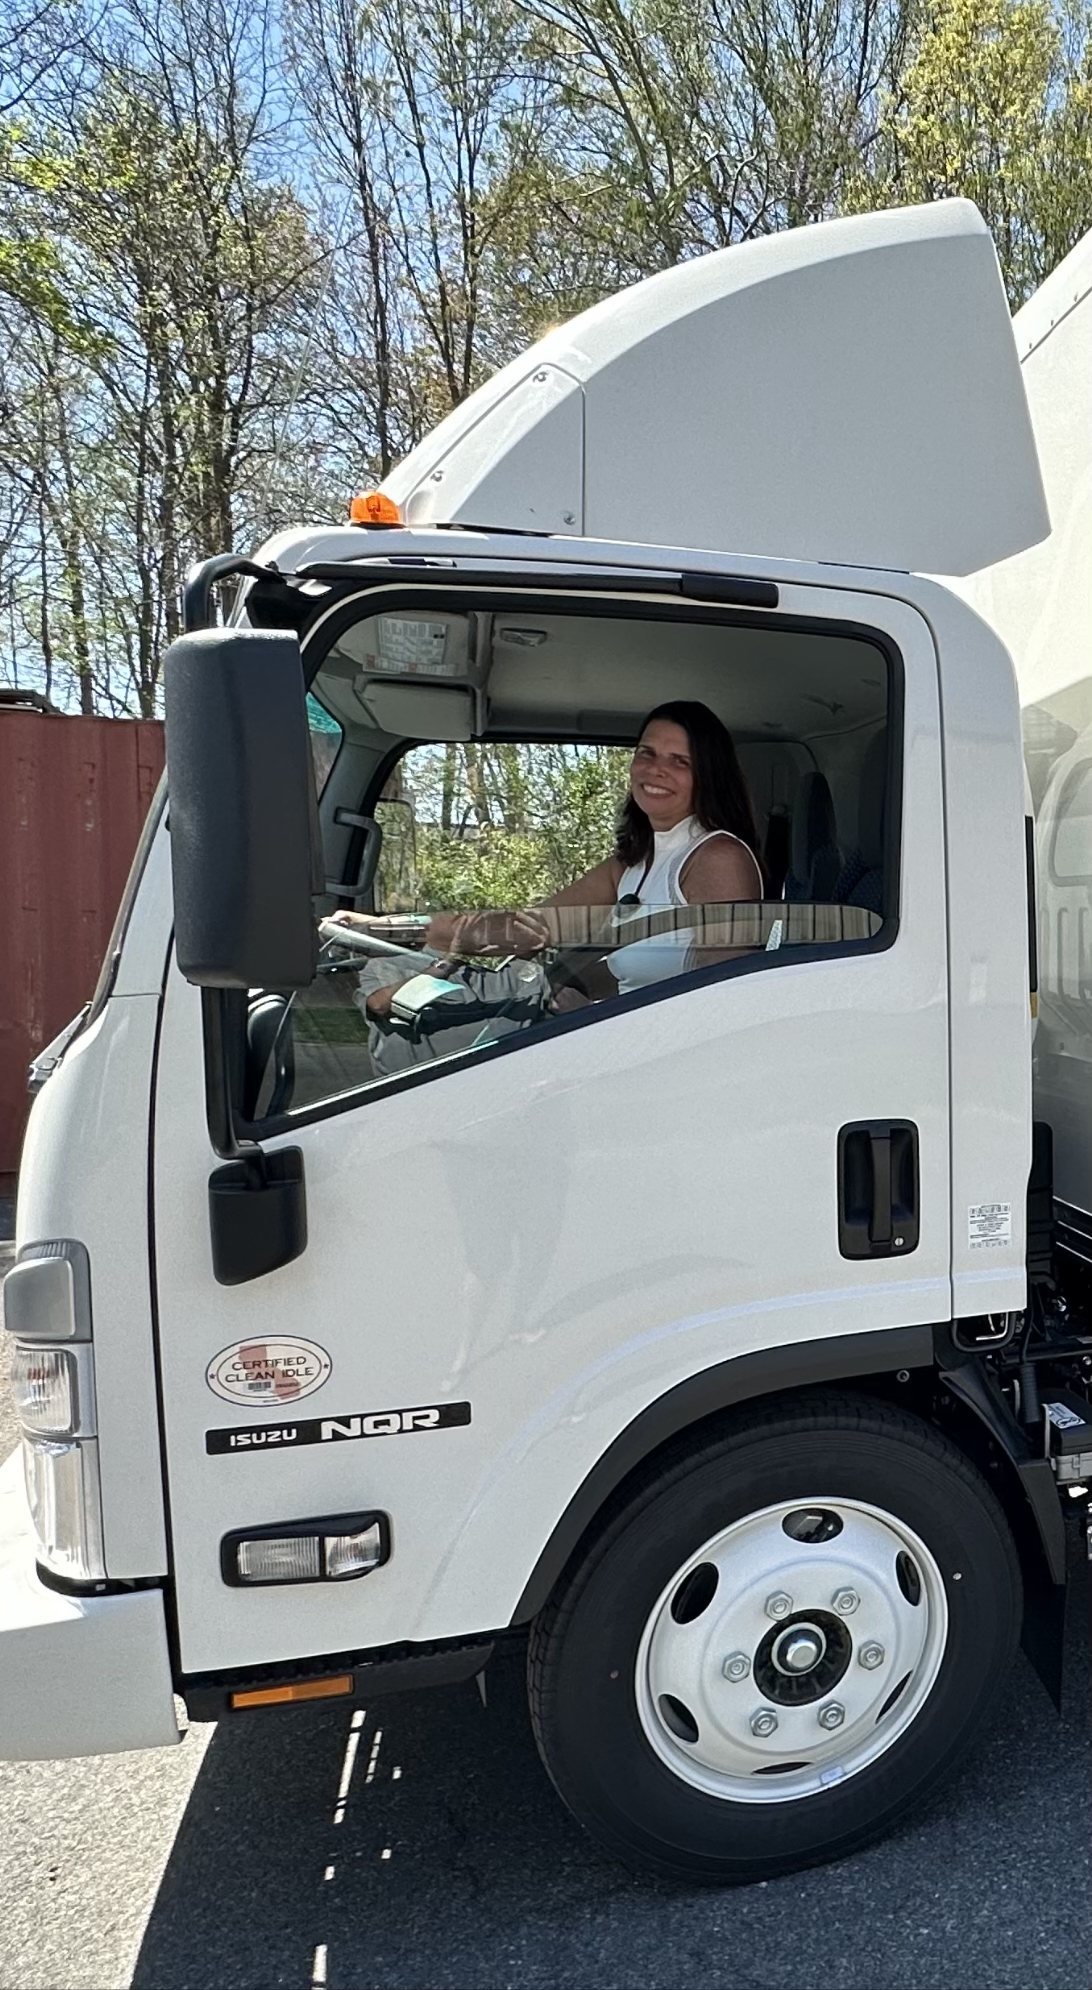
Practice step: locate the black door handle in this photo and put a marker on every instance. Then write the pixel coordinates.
(880, 1227)
(878, 1214)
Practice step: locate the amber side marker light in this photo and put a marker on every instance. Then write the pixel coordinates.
(374, 508)
(307, 1689)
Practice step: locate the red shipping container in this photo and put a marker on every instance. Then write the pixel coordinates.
(74, 793)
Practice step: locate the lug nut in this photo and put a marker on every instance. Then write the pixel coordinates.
(845, 1601)
(764, 1722)
(737, 1666)
(832, 1716)
(870, 1656)
(778, 1605)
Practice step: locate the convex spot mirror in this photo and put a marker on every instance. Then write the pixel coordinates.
(243, 819)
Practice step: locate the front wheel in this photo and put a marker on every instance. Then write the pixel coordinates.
(779, 1645)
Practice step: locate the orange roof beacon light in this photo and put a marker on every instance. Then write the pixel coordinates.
(374, 508)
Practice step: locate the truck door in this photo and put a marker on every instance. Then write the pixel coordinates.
(515, 1251)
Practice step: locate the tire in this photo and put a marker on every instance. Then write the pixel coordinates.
(760, 1572)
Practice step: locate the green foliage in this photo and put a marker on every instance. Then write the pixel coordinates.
(494, 868)
(152, 274)
(499, 825)
(32, 271)
(995, 104)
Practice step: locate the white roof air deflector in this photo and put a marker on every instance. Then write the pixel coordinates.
(848, 392)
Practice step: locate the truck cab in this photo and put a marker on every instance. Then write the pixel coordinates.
(412, 1257)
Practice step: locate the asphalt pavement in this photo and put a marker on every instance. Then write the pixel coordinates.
(423, 1849)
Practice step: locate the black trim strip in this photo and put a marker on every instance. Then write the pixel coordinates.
(386, 1669)
(346, 1427)
(730, 588)
(105, 1586)
(770, 1371)
(739, 590)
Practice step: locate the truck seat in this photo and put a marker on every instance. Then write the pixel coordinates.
(861, 879)
(816, 859)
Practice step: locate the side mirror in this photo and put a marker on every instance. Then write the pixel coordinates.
(242, 809)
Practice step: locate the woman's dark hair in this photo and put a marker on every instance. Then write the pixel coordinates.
(722, 799)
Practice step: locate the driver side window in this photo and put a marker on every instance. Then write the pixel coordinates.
(452, 956)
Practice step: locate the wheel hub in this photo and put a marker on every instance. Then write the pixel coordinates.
(822, 1647)
(751, 1683)
(798, 1650)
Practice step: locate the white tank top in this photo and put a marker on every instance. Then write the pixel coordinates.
(662, 956)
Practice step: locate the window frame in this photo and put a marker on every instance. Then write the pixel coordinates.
(111, 960)
(1077, 777)
(332, 618)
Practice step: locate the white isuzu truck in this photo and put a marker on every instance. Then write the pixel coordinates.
(705, 1327)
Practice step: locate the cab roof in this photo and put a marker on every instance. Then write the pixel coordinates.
(845, 393)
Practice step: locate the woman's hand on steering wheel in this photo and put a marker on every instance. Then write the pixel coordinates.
(529, 933)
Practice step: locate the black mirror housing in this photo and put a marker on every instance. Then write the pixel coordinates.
(242, 809)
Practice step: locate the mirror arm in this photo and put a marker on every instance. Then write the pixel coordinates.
(220, 1088)
(257, 1202)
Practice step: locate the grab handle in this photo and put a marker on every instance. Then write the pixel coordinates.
(878, 1194)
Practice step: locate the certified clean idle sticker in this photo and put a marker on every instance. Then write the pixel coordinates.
(989, 1225)
(268, 1371)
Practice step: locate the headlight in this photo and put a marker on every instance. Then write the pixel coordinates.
(63, 1491)
(55, 1402)
(47, 1311)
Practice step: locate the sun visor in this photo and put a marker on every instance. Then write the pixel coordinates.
(848, 392)
(419, 711)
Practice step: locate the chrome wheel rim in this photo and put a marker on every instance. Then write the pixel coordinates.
(791, 1650)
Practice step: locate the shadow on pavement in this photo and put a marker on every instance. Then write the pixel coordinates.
(449, 1864)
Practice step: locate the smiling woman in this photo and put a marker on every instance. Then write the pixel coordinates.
(686, 836)
(688, 794)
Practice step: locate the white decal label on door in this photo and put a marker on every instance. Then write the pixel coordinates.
(989, 1225)
(268, 1371)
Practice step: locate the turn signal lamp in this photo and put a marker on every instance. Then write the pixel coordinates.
(374, 508)
(335, 1550)
(46, 1388)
